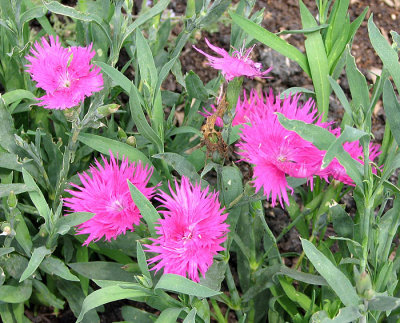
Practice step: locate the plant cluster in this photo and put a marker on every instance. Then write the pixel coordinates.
(108, 195)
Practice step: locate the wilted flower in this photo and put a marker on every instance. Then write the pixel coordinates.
(191, 232)
(276, 152)
(337, 171)
(239, 64)
(64, 73)
(105, 193)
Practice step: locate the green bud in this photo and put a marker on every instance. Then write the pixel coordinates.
(106, 110)
(144, 281)
(131, 141)
(190, 8)
(363, 284)
(121, 133)
(12, 200)
(6, 228)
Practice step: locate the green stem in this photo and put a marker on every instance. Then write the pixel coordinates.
(218, 314)
(233, 292)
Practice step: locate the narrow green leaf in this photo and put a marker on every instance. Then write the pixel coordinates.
(36, 259)
(158, 8)
(303, 300)
(358, 84)
(140, 120)
(7, 130)
(387, 54)
(191, 317)
(147, 210)
(54, 266)
(293, 90)
(105, 145)
(148, 71)
(37, 197)
(318, 61)
(183, 129)
(65, 223)
(392, 110)
(6, 189)
(107, 295)
(195, 87)
(6, 251)
(180, 284)
(334, 277)
(303, 31)
(102, 270)
(383, 303)
(117, 77)
(302, 277)
(169, 315)
(141, 258)
(45, 296)
(341, 96)
(17, 95)
(133, 314)
(182, 166)
(272, 40)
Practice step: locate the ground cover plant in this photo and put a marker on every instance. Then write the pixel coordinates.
(116, 188)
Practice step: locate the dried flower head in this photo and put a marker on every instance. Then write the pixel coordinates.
(64, 73)
(105, 193)
(239, 64)
(191, 232)
(274, 151)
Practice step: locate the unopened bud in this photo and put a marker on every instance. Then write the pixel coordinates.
(121, 133)
(106, 110)
(364, 285)
(12, 200)
(6, 229)
(131, 141)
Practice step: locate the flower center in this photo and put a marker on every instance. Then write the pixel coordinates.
(117, 206)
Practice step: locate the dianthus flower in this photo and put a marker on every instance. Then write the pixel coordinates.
(105, 192)
(355, 150)
(239, 64)
(191, 232)
(276, 152)
(64, 73)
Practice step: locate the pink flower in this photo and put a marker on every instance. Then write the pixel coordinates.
(239, 64)
(191, 232)
(64, 73)
(337, 171)
(105, 193)
(276, 152)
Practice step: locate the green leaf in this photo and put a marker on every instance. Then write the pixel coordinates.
(7, 128)
(293, 90)
(17, 95)
(303, 31)
(334, 277)
(383, 303)
(36, 259)
(387, 54)
(358, 84)
(169, 315)
(102, 270)
(392, 110)
(147, 210)
(157, 9)
(6, 251)
(117, 77)
(105, 145)
(16, 294)
(341, 96)
(183, 130)
(74, 296)
(302, 277)
(180, 284)
(195, 87)
(182, 166)
(148, 71)
(191, 317)
(32, 13)
(318, 61)
(22, 232)
(133, 314)
(10, 161)
(140, 119)
(272, 40)
(37, 197)
(232, 185)
(45, 296)
(303, 300)
(107, 295)
(342, 222)
(60, 9)
(54, 266)
(6, 189)
(141, 258)
(65, 223)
